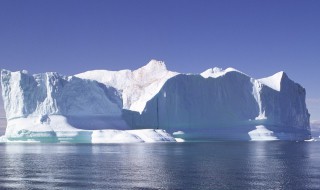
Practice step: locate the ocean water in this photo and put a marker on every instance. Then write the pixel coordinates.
(212, 165)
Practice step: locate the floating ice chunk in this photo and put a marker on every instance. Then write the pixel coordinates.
(221, 104)
(261, 133)
(180, 140)
(310, 140)
(178, 133)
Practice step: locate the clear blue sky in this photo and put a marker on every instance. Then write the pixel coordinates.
(257, 37)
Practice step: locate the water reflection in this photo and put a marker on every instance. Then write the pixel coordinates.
(279, 165)
(219, 165)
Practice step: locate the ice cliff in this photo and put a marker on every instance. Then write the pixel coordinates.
(143, 105)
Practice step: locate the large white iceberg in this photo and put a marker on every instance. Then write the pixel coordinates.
(146, 104)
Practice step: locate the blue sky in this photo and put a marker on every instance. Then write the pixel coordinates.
(257, 37)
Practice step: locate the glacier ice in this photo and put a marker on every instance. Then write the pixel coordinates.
(60, 130)
(136, 87)
(150, 103)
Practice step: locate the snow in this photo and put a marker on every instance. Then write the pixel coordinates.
(51, 93)
(273, 81)
(131, 136)
(114, 136)
(151, 103)
(137, 86)
(217, 72)
(30, 130)
(261, 133)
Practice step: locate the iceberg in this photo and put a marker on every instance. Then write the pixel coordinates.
(49, 107)
(152, 104)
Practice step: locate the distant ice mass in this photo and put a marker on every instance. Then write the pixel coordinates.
(152, 104)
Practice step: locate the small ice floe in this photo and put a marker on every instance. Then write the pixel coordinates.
(179, 140)
(178, 133)
(310, 140)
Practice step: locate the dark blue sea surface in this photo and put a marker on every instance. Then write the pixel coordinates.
(212, 165)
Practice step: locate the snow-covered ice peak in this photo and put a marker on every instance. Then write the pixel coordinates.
(151, 72)
(153, 66)
(273, 81)
(217, 72)
(138, 86)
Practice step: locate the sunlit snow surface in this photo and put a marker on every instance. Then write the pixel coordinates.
(26, 130)
(137, 87)
(137, 106)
